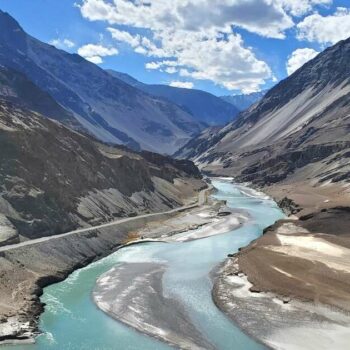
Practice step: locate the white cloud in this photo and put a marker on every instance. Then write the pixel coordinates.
(171, 70)
(153, 65)
(62, 43)
(95, 52)
(196, 49)
(182, 84)
(325, 29)
(95, 59)
(199, 35)
(161, 64)
(265, 17)
(125, 37)
(298, 58)
(302, 7)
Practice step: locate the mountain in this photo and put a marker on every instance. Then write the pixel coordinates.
(105, 106)
(16, 87)
(299, 131)
(53, 179)
(126, 78)
(203, 106)
(242, 102)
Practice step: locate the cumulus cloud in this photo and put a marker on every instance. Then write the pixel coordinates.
(302, 7)
(182, 84)
(153, 65)
(195, 38)
(161, 64)
(199, 35)
(62, 43)
(265, 17)
(325, 29)
(170, 70)
(298, 58)
(125, 37)
(95, 52)
(95, 59)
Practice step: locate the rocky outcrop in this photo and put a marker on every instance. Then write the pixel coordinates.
(288, 206)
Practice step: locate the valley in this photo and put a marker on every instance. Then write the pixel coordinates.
(202, 202)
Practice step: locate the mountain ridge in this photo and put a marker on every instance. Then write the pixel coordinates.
(108, 108)
(202, 105)
(244, 101)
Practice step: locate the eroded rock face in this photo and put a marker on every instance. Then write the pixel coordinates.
(54, 180)
(8, 233)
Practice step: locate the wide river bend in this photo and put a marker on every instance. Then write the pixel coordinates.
(72, 321)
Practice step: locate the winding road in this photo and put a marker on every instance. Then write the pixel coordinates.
(202, 198)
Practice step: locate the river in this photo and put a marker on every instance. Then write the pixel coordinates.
(72, 321)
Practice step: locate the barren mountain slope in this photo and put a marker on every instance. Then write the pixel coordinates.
(299, 130)
(54, 179)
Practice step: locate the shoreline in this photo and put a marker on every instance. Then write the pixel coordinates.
(68, 252)
(267, 287)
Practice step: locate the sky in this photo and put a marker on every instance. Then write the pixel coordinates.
(225, 47)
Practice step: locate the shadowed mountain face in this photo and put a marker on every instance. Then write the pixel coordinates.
(203, 106)
(108, 108)
(298, 131)
(16, 87)
(53, 179)
(243, 102)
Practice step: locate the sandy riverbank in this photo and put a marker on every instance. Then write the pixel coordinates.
(291, 288)
(133, 294)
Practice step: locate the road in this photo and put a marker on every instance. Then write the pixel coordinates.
(202, 197)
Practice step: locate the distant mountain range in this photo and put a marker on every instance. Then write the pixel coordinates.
(299, 131)
(244, 101)
(103, 105)
(203, 106)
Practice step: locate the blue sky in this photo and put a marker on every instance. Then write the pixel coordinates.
(222, 46)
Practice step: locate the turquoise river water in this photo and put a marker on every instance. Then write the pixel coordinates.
(72, 321)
